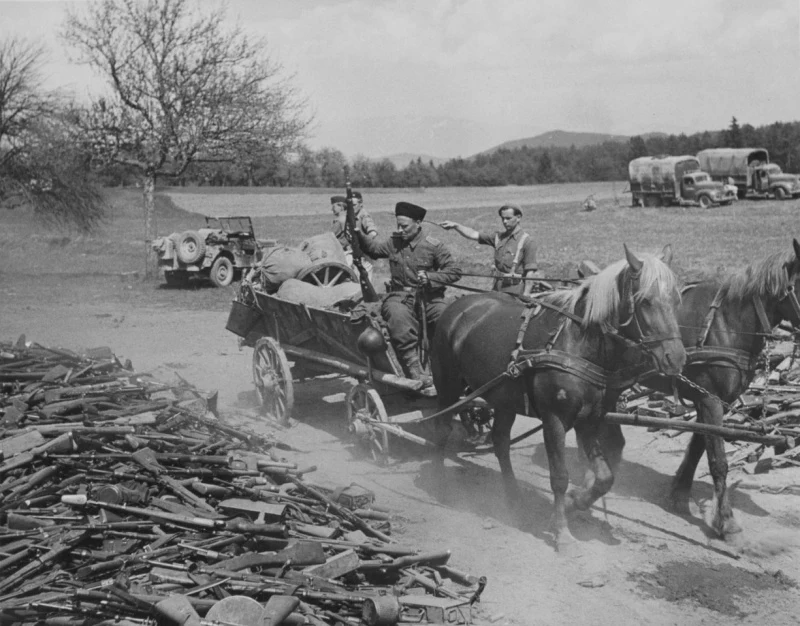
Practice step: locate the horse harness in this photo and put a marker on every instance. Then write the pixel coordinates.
(734, 358)
(550, 358)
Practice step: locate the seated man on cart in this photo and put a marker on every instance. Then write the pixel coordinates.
(421, 267)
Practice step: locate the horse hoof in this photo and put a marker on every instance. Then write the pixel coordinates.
(679, 503)
(734, 539)
(568, 547)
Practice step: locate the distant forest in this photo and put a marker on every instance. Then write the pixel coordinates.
(520, 166)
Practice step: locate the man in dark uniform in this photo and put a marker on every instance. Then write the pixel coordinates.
(514, 251)
(421, 267)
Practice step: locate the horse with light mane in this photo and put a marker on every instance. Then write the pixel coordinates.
(724, 327)
(559, 351)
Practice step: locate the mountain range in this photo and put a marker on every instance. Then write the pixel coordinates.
(550, 139)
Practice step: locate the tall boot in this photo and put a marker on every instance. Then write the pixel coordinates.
(412, 365)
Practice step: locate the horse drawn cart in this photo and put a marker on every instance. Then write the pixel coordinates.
(293, 341)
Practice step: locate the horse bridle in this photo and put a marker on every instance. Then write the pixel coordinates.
(644, 342)
(791, 294)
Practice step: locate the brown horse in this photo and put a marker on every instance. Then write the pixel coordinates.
(724, 326)
(565, 350)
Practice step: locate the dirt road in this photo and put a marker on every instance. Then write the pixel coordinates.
(640, 563)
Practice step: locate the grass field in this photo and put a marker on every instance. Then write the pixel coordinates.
(705, 242)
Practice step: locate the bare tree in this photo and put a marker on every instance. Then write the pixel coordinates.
(42, 162)
(182, 89)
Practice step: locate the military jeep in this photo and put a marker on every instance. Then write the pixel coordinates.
(220, 251)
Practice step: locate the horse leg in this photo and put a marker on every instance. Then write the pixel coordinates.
(709, 411)
(554, 438)
(599, 478)
(682, 483)
(501, 440)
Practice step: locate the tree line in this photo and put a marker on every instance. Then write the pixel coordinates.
(519, 166)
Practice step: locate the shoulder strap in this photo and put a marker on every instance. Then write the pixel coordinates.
(518, 253)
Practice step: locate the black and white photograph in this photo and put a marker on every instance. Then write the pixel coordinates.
(384, 312)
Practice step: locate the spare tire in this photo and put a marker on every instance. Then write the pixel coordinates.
(190, 247)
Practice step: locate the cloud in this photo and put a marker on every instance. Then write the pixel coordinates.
(621, 66)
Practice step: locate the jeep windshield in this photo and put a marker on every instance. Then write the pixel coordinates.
(701, 178)
(231, 224)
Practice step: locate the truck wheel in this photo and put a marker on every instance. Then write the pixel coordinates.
(704, 202)
(222, 272)
(190, 247)
(780, 193)
(741, 193)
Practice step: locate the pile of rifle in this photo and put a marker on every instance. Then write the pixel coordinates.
(763, 425)
(125, 500)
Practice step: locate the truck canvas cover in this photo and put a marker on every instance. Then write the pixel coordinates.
(719, 162)
(660, 173)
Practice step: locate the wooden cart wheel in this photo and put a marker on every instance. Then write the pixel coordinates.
(273, 379)
(364, 405)
(327, 274)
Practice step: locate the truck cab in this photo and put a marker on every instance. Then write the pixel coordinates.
(769, 179)
(698, 187)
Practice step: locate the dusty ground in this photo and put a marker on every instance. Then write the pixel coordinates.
(641, 564)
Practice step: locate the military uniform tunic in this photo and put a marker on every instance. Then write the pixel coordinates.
(505, 251)
(364, 223)
(406, 258)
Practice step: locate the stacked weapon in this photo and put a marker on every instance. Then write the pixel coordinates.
(126, 499)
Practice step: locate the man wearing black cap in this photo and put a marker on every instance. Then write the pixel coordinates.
(421, 267)
(514, 250)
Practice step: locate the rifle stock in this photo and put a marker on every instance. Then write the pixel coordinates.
(367, 290)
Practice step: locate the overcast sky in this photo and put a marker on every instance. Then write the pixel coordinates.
(454, 77)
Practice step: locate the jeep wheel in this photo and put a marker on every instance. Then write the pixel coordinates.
(222, 272)
(780, 193)
(704, 202)
(190, 247)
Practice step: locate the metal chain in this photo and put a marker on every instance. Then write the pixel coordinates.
(705, 393)
(765, 354)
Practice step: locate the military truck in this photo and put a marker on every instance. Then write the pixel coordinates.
(221, 251)
(665, 180)
(751, 172)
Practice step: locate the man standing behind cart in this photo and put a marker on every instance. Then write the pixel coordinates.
(364, 223)
(514, 251)
(421, 267)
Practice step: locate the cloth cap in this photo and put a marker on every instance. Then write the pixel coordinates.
(357, 195)
(406, 209)
(513, 207)
(338, 199)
